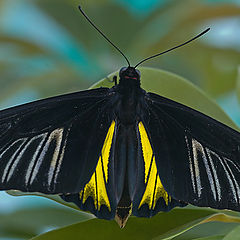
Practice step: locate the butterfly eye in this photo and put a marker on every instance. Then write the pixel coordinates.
(123, 69)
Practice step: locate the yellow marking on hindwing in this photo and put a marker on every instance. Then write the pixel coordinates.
(106, 149)
(146, 149)
(96, 188)
(154, 188)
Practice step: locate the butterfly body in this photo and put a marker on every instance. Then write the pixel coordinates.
(126, 163)
(127, 116)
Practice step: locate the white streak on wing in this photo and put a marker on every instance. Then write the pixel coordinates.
(197, 147)
(190, 165)
(209, 174)
(61, 157)
(11, 160)
(219, 194)
(9, 147)
(15, 163)
(57, 135)
(33, 160)
(233, 164)
(42, 155)
(228, 177)
(234, 179)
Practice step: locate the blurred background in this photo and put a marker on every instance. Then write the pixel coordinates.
(47, 48)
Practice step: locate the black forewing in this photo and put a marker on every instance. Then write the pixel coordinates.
(198, 158)
(52, 145)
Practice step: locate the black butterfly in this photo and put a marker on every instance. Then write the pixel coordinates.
(120, 151)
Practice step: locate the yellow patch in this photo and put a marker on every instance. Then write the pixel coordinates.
(106, 149)
(96, 188)
(154, 188)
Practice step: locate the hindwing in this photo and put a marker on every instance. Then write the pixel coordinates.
(151, 196)
(97, 195)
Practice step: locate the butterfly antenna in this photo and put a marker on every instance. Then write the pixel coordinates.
(156, 55)
(90, 21)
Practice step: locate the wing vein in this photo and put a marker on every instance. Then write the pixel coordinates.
(58, 136)
(16, 161)
(228, 176)
(196, 146)
(217, 184)
(33, 160)
(191, 166)
(12, 159)
(235, 184)
(39, 159)
(60, 160)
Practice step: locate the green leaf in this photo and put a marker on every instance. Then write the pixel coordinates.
(27, 223)
(196, 60)
(136, 228)
(162, 226)
(219, 237)
(219, 217)
(233, 235)
(55, 198)
(209, 229)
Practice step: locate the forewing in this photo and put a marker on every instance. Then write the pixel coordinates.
(197, 157)
(53, 145)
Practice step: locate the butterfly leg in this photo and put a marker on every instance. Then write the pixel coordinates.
(113, 80)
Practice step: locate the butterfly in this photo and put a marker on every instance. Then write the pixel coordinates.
(120, 151)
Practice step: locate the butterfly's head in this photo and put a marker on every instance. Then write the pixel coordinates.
(129, 73)
(129, 77)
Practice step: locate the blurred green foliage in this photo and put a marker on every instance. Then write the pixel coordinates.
(48, 48)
